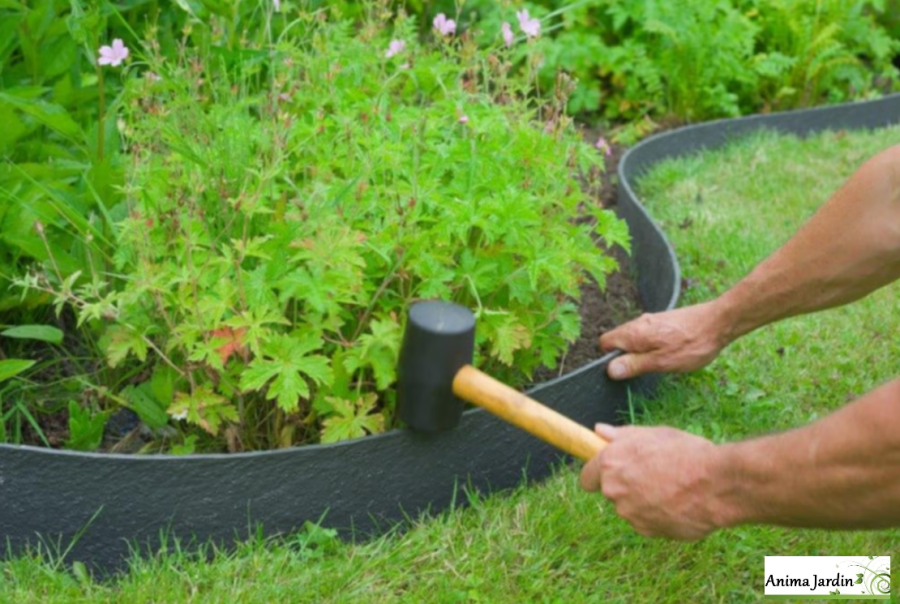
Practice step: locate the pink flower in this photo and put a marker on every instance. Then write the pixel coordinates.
(113, 55)
(530, 27)
(464, 119)
(395, 48)
(507, 32)
(444, 25)
(602, 145)
(277, 5)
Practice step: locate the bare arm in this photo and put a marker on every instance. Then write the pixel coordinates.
(842, 471)
(848, 249)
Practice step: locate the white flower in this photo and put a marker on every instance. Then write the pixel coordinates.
(180, 416)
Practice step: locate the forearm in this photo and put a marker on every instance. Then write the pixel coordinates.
(840, 472)
(849, 248)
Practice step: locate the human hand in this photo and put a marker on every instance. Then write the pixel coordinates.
(661, 480)
(683, 339)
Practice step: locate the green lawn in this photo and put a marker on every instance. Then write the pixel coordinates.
(552, 542)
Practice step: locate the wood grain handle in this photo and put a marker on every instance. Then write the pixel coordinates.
(511, 405)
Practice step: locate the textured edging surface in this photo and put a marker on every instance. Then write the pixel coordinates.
(363, 485)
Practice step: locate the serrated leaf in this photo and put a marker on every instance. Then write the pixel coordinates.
(378, 350)
(289, 367)
(509, 337)
(352, 419)
(42, 333)
(119, 342)
(258, 289)
(300, 284)
(85, 428)
(569, 322)
(204, 408)
(187, 448)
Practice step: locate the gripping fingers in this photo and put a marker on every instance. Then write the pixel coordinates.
(631, 365)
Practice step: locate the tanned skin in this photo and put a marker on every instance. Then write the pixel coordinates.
(842, 471)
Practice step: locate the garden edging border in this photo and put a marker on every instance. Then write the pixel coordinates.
(116, 501)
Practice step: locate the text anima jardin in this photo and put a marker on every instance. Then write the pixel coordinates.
(838, 581)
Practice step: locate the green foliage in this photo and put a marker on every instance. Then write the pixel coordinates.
(10, 368)
(687, 59)
(41, 333)
(551, 541)
(826, 49)
(702, 60)
(60, 157)
(352, 419)
(282, 207)
(52, 176)
(235, 221)
(85, 428)
(146, 403)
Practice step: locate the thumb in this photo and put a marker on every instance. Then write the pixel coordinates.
(629, 365)
(605, 431)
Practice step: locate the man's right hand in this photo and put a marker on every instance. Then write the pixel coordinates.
(683, 339)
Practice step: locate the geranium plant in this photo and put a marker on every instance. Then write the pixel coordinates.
(280, 216)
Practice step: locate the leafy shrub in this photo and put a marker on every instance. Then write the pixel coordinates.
(280, 213)
(830, 48)
(60, 160)
(701, 60)
(48, 101)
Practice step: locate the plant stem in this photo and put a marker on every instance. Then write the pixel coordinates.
(100, 126)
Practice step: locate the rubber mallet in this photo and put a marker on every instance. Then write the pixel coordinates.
(436, 376)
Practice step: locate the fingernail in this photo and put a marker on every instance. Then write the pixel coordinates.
(616, 371)
(605, 430)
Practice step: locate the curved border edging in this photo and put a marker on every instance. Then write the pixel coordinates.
(363, 485)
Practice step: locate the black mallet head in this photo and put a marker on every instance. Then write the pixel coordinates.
(438, 342)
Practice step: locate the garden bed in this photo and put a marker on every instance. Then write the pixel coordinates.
(112, 501)
(367, 485)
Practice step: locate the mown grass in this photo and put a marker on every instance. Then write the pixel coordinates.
(552, 542)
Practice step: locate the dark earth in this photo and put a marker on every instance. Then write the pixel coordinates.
(619, 302)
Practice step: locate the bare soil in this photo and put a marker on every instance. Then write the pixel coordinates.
(619, 302)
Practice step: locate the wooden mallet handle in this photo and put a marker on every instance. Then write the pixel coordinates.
(511, 405)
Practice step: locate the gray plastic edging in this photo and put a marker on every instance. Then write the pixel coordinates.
(366, 485)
